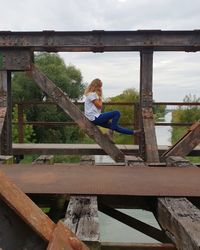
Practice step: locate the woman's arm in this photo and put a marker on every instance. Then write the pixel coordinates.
(97, 103)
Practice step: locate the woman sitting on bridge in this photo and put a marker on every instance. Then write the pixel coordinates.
(93, 107)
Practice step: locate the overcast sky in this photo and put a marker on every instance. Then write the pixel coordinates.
(175, 73)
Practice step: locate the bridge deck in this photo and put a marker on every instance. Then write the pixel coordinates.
(81, 149)
(105, 180)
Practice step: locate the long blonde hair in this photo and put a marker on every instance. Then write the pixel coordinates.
(94, 87)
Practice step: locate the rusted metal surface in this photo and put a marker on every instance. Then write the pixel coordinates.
(100, 40)
(34, 217)
(105, 180)
(13, 59)
(148, 143)
(15, 234)
(25, 208)
(74, 112)
(189, 141)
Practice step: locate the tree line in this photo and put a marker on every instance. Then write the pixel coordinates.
(70, 80)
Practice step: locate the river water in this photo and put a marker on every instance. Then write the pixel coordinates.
(114, 231)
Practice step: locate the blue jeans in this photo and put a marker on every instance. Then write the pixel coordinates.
(110, 120)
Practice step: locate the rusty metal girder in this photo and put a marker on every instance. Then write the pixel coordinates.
(185, 145)
(147, 113)
(100, 40)
(15, 59)
(105, 180)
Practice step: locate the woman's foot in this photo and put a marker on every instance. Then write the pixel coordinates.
(137, 131)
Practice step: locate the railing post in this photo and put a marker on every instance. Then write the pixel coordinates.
(136, 121)
(20, 110)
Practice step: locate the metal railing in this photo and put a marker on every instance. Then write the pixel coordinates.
(21, 106)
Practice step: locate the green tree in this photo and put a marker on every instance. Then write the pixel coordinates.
(68, 78)
(159, 111)
(127, 112)
(189, 114)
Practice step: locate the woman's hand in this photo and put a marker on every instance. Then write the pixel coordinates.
(98, 103)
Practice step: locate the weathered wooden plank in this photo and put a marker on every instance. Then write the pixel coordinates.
(97, 180)
(179, 216)
(189, 141)
(44, 159)
(131, 160)
(80, 149)
(74, 112)
(82, 217)
(82, 214)
(137, 246)
(182, 219)
(63, 238)
(6, 159)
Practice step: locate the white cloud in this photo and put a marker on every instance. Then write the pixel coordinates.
(175, 74)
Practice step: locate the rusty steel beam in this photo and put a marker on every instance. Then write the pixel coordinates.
(15, 59)
(148, 143)
(185, 145)
(100, 40)
(80, 149)
(34, 217)
(106, 180)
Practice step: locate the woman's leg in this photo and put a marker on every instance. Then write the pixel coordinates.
(104, 121)
(110, 119)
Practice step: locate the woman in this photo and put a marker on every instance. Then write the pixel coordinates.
(93, 107)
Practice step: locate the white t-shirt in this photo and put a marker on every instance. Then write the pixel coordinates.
(91, 111)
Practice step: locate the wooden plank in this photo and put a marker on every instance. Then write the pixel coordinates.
(44, 159)
(82, 214)
(185, 145)
(80, 149)
(82, 217)
(182, 219)
(63, 238)
(132, 161)
(136, 246)
(6, 159)
(179, 216)
(74, 112)
(96, 181)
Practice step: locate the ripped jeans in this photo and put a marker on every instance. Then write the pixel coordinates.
(110, 120)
